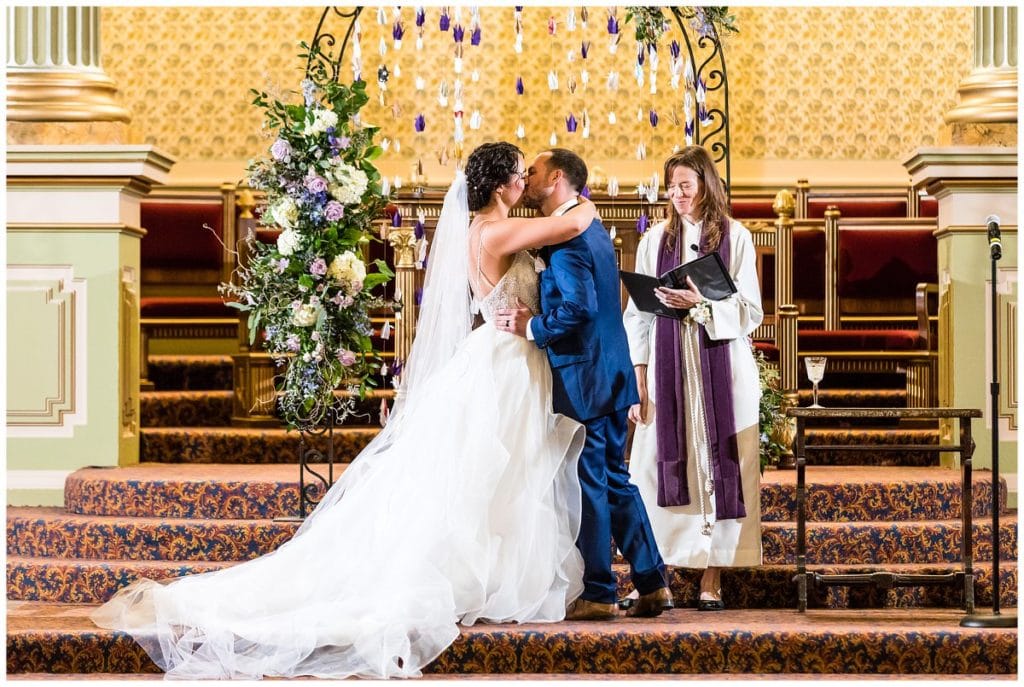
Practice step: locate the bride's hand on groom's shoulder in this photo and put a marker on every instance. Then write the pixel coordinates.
(585, 212)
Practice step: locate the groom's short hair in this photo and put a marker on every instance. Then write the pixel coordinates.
(572, 166)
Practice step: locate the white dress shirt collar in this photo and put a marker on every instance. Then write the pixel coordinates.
(561, 209)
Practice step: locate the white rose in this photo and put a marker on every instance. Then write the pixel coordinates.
(344, 194)
(347, 268)
(287, 242)
(322, 120)
(305, 316)
(285, 213)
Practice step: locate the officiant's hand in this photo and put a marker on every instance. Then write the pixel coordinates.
(513, 320)
(680, 298)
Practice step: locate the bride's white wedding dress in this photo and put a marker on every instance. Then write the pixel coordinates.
(468, 512)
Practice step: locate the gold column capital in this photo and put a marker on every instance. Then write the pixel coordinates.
(403, 242)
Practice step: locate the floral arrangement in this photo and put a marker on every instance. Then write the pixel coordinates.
(309, 294)
(770, 413)
(650, 24)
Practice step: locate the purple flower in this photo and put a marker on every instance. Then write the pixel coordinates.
(342, 300)
(418, 230)
(584, 48)
(281, 150)
(281, 265)
(674, 49)
(613, 24)
(519, 85)
(344, 142)
(419, 123)
(397, 31)
(653, 117)
(396, 219)
(292, 343)
(570, 123)
(315, 183)
(474, 38)
(641, 225)
(318, 267)
(334, 211)
(346, 357)
(444, 22)
(458, 33)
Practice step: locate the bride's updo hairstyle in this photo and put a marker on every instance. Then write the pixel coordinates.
(488, 167)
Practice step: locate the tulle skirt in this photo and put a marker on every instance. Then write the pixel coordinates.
(465, 509)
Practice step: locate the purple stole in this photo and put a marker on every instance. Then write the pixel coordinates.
(669, 417)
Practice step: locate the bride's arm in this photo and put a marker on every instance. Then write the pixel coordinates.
(514, 234)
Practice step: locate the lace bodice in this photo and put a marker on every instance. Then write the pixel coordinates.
(519, 282)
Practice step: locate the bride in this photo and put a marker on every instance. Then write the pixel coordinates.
(465, 508)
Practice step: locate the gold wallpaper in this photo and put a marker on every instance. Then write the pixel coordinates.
(805, 83)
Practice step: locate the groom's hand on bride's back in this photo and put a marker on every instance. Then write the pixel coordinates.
(513, 320)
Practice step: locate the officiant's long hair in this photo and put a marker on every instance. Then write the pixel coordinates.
(712, 203)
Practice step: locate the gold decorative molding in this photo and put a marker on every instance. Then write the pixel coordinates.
(62, 96)
(989, 92)
(49, 305)
(403, 242)
(129, 353)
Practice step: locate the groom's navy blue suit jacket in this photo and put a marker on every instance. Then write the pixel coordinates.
(581, 329)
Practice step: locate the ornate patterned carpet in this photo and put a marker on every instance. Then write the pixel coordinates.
(207, 496)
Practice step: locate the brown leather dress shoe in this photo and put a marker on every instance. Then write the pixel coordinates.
(581, 609)
(651, 605)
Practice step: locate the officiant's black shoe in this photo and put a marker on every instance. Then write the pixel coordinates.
(713, 604)
(651, 605)
(581, 609)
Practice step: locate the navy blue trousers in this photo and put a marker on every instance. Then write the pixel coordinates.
(613, 510)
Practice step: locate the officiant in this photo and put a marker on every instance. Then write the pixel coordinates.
(695, 450)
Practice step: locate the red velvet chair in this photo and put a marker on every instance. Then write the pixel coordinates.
(879, 301)
(186, 253)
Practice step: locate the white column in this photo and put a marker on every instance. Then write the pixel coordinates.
(53, 67)
(989, 92)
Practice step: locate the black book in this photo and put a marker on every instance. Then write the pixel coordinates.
(707, 272)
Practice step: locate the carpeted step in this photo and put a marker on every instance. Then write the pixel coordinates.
(51, 532)
(185, 408)
(856, 398)
(214, 408)
(190, 372)
(271, 490)
(936, 541)
(871, 437)
(68, 580)
(772, 586)
(249, 445)
(59, 638)
(243, 445)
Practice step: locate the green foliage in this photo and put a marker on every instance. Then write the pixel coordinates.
(769, 412)
(308, 295)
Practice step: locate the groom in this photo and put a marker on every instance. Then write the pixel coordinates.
(580, 327)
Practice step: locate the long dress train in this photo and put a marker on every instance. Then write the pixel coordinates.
(469, 512)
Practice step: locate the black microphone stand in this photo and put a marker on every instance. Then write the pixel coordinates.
(995, 620)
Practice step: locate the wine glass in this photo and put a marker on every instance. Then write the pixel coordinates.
(815, 372)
